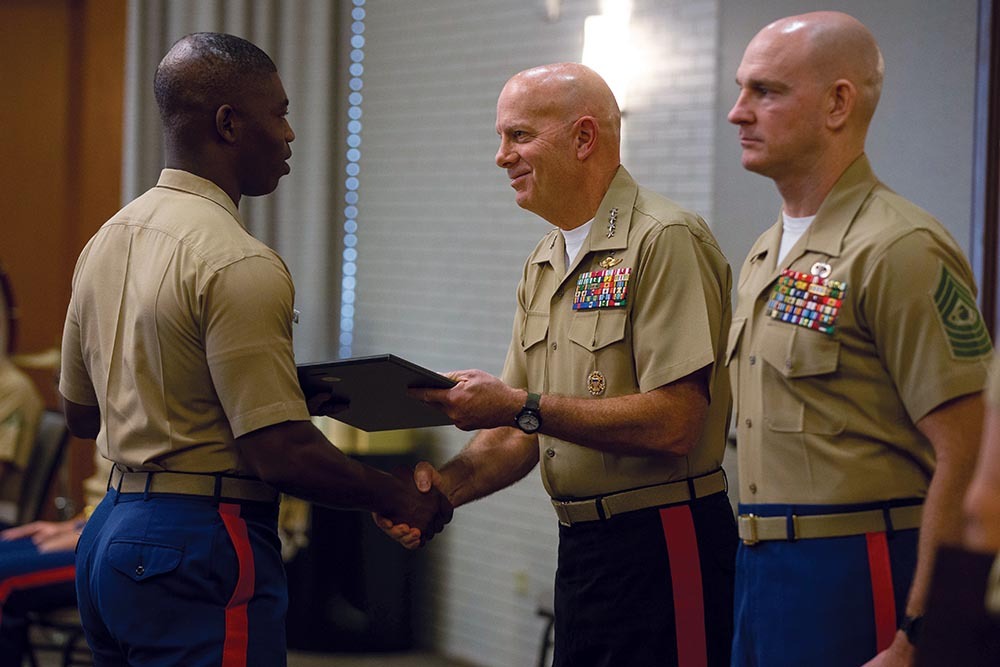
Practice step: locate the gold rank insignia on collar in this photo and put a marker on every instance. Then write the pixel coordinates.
(612, 221)
(610, 261)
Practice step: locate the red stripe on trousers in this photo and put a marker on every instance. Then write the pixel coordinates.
(685, 576)
(234, 650)
(57, 575)
(883, 598)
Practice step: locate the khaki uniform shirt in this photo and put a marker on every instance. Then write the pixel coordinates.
(20, 411)
(829, 418)
(675, 315)
(180, 329)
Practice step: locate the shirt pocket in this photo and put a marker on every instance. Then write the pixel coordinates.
(536, 328)
(141, 561)
(796, 392)
(598, 328)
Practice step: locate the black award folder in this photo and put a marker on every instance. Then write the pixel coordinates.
(375, 388)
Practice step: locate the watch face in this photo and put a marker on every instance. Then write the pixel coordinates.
(528, 421)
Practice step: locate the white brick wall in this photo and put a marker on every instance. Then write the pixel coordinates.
(441, 244)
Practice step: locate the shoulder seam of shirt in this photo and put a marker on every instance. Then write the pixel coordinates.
(213, 266)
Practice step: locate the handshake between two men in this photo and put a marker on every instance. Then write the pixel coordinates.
(499, 455)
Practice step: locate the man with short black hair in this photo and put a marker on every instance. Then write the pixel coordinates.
(177, 358)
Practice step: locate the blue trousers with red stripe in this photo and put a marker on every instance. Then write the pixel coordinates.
(29, 581)
(650, 587)
(180, 580)
(825, 602)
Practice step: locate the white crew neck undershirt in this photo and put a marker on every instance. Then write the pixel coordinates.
(792, 230)
(574, 239)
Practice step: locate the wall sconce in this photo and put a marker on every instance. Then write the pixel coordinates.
(607, 48)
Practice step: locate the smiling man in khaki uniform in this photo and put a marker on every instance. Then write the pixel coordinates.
(614, 380)
(857, 356)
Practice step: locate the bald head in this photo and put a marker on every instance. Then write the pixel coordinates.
(201, 72)
(560, 129)
(567, 91)
(834, 46)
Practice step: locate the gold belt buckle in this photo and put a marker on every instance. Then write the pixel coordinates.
(752, 522)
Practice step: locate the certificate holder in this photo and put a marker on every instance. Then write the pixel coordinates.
(375, 388)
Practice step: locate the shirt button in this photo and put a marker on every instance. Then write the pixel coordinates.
(748, 422)
(139, 570)
(753, 488)
(550, 452)
(788, 363)
(555, 345)
(753, 359)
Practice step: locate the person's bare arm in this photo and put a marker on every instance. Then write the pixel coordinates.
(494, 459)
(84, 421)
(665, 421)
(954, 430)
(982, 502)
(297, 459)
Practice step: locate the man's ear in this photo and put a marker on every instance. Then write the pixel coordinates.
(842, 98)
(585, 133)
(225, 123)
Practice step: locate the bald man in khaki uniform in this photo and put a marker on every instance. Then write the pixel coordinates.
(857, 356)
(614, 381)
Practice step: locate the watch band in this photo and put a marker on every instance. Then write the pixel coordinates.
(911, 627)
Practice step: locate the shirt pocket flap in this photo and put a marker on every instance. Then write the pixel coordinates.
(735, 332)
(598, 328)
(795, 352)
(142, 560)
(536, 328)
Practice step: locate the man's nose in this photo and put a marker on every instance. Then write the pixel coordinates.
(739, 114)
(505, 156)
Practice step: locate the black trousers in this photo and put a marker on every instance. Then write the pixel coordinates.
(650, 587)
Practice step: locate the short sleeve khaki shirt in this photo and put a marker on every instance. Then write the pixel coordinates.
(180, 329)
(828, 417)
(668, 321)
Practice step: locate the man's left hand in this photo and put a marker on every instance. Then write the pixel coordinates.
(478, 400)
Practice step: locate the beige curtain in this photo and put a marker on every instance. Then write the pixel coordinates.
(301, 219)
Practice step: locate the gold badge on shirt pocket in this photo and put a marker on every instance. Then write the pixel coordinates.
(811, 301)
(607, 288)
(596, 383)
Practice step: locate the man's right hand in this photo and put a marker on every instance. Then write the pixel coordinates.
(426, 479)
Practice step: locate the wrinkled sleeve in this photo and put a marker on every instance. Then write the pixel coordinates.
(919, 299)
(677, 315)
(247, 330)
